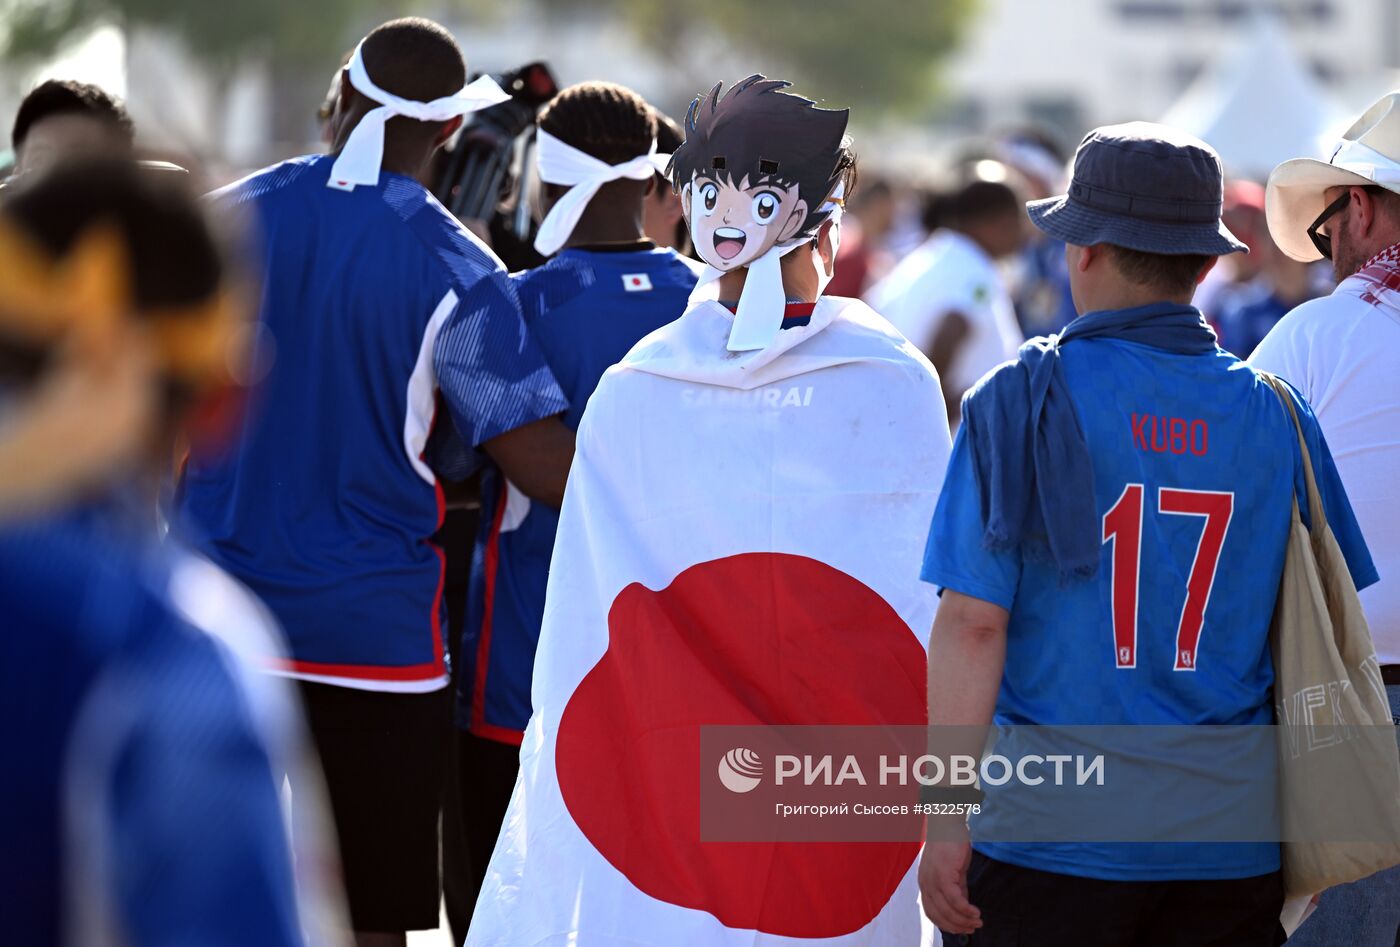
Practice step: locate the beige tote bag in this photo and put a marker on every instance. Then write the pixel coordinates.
(1339, 772)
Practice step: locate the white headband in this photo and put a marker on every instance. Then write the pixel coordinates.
(759, 316)
(561, 163)
(363, 153)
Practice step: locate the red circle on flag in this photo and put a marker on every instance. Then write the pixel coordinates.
(747, 640)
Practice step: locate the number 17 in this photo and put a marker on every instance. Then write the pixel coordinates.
(1122, 524)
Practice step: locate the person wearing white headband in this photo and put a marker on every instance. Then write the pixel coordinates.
(583, 174)
(396, 330)
(361, 143)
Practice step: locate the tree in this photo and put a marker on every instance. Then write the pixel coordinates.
(300, 39)
(880, 55)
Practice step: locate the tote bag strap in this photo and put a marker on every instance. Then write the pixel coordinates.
(1316, 512)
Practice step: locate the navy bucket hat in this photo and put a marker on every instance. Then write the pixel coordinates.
(1145, 187)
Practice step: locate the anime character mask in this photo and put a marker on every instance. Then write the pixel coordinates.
(759, 171)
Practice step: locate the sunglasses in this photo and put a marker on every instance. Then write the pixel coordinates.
(1323, 241)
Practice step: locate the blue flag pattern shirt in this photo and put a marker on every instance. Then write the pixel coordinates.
(1194, 460)
(379, 307)
(585, 309)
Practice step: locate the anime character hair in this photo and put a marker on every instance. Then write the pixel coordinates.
(767, 135)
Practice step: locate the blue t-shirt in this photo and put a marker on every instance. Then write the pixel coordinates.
(1194, 463)
(374, 302)
(585, 309)
(139, 800)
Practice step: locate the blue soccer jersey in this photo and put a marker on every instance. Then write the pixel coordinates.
(374, 302)
(585, 309)
(1195, 462)
(140, 799)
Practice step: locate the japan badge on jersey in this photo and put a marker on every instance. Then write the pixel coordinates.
(636, 282)
(727, 555)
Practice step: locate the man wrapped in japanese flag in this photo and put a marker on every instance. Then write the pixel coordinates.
(739, 545)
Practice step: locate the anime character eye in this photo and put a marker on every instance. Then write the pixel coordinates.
(709, 197)
(764, 207)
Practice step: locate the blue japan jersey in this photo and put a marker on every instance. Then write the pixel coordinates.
(377, 307)
(139, 803)
(585, 310)
(1194, 462)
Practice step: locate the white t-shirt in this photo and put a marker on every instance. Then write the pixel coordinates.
(950, 273)
(1343, 354)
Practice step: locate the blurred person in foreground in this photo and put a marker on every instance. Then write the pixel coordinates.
(1089, 479)
(948, 298)
(387, 318)
(1343, 353)
(605, 287)
(142, 805)
(65, 119)
(735, 548)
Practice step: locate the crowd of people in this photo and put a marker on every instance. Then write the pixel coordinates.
(346, 574)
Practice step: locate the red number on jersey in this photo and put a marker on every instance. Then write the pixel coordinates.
(1123, 525)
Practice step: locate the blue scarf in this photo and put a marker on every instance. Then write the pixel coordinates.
(1034, 473)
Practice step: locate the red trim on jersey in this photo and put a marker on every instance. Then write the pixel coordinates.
(363, 672)
(483, 645)
(439, 654)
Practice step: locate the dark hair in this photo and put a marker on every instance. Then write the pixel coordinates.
(414, 58)
(1175, 274)
(65, 97)
(669, 136)
(974, 202)
(608, 121)
(174, 258)
(759, 132)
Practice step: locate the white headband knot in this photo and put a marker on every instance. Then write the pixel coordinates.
(359, 161)
(559, 162)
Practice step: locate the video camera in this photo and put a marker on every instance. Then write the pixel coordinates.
(484, 174)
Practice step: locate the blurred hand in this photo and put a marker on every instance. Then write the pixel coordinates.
(943, 886)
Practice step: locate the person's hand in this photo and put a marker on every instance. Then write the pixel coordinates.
(943, 886)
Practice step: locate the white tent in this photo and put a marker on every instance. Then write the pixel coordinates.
(1258, 105)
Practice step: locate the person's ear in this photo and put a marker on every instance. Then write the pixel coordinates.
(651, 187)
(826, 245)
(1081, 258)
(1205, 270)
(1364, 208)
(449, 128)
(673, 210)
(685, 206)
(793, 222)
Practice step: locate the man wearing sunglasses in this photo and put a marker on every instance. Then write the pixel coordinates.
(1343, 353)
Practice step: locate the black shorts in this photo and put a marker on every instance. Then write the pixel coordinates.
(1023, 906)
(384, 760)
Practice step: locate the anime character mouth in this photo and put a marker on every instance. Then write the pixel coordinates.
(729, 241)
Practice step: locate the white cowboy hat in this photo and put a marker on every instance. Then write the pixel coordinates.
(1369, 153)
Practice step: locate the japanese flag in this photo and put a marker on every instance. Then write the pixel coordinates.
(740, 543)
